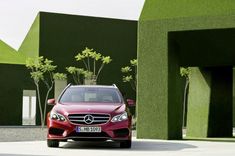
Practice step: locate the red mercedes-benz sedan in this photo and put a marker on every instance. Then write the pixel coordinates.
(84, 113)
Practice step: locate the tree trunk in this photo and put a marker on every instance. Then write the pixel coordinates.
(45, 103)
(40, 105)
(185, 100)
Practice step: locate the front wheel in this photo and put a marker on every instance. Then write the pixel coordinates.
(53, 143)
(125, 144)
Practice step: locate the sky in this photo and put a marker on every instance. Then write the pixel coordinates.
(16, 16)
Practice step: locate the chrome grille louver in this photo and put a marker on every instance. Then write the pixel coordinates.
(97, 118)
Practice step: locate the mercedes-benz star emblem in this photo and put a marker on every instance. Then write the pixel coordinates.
(88, 119)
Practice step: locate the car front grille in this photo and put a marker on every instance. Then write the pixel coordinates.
(97, 118)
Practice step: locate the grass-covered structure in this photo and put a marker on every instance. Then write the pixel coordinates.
(195, 33)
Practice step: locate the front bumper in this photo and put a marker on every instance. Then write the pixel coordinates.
(63, 131)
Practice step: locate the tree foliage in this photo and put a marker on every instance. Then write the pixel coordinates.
(77, 73)
(93, 63)
(130, 73)
(184, 71)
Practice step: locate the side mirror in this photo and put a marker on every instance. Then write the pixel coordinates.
(130, 102)
(51, 102)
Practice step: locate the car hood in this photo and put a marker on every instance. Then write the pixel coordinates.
(107, 108)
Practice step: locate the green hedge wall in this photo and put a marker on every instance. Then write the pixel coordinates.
(63, 36)
(14, 79)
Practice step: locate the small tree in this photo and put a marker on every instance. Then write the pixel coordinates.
(130, 74)
(94, 62)
(184, 72)
(42, 70)
(77, 74)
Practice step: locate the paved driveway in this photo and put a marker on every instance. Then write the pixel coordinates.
(140, 147)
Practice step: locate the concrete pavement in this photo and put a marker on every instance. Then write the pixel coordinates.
(140, 147)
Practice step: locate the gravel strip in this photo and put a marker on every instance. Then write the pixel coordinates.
(22, 133)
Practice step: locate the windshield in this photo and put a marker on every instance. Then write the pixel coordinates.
(89, 94)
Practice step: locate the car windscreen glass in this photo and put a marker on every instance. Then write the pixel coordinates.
(96, 95)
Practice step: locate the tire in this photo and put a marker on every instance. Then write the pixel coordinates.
(53, 143)
(125, 144)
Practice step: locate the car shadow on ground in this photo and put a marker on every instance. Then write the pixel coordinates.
(136, 146)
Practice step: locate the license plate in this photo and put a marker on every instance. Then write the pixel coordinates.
(88, 129)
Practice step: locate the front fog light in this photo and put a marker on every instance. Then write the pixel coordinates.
(120, 117)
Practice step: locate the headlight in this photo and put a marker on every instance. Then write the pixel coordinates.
(120, 117)
(57, 116)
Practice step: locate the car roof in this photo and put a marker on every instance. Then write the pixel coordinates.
(93, 86)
